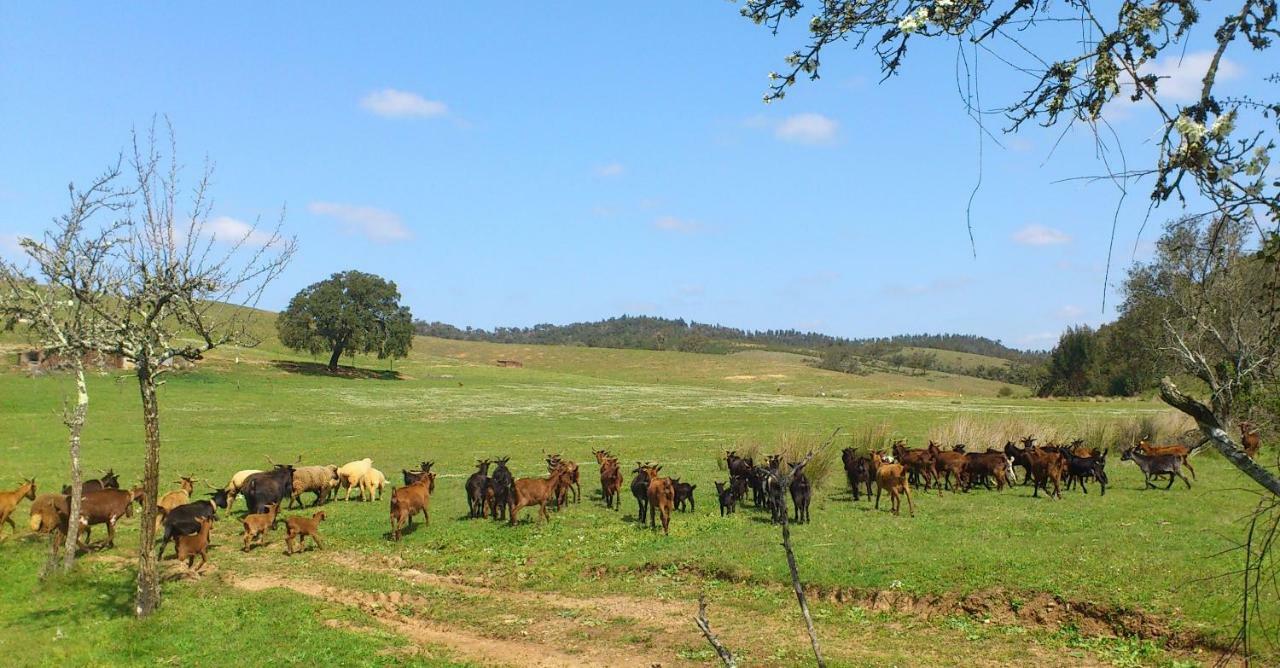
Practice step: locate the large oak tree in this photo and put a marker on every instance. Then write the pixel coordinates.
(350, 312)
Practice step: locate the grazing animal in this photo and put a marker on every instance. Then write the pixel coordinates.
(569, 481)
(185, 520)
(409, 501)
(891, 476)
(1250, 439)
(372, 481)
(411, 477)
(109, 480)
(319, 480)
(640, 490)
(299, 528)
(858, 472)
(476, 486)
(9, 502)
(1181, 451)
(236, 483)
(106, 506)
(49, 513)
(1047, 467)
(982, 467)
(1019, 457)
(610, 480)
(195, 545)
(263, 489)
(535, 492)
(919, 463)
(175, 498)
(737, 465)
(946, 466)
(801, 492)
(661, 495)
(257, 525)
(502, 486)
(727, 499)
(684, 492)
(350, 474)
(1156, 465)
(1081, 468)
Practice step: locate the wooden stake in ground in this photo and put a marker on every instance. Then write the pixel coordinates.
(726, 657)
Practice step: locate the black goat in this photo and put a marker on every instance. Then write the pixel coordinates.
(263, 489)
(684, 492)
(185, 519)
(1081, 468)
(801, 493)
(727, 498)
(640, 490)
(476, 485)
(858, 471)
(502, 485)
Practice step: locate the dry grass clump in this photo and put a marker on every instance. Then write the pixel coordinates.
(872, 437)
(979, 435)
(1164, 428)
(793, 446)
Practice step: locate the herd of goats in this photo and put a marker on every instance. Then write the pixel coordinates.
(501, 496)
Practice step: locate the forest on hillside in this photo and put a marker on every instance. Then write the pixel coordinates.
(831, 352)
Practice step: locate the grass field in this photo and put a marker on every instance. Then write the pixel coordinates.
(592, 586)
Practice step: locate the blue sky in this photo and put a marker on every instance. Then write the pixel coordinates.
(525, 163)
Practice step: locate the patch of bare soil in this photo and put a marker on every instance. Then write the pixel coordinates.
(390, 608)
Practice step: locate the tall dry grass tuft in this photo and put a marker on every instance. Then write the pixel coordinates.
(793, 446)
(1164, 428)
(872, 437)
(978, 435)
(1097, 433)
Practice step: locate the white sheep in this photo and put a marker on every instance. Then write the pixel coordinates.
(372, 479)
(237, 481)
(349, 474)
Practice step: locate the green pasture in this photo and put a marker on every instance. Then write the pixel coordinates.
(1152, 550)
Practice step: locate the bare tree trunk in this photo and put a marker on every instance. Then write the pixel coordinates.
(75, 424)
(148, 577)
(726, 657)
(1211, 427)
(799, 587)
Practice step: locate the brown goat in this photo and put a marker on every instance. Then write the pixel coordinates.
(610, 480)
(106, 506)
(919, 463)
(9, 502)
(662, 498)
(946, 465)
(257, 525)
(409, 501)
(1180, 451)
(535, 491)
(192, 545)
(893, 477)
(1250, 439)
(569, 482)
(50, 513)
(1046, 467)
(175, 498)
(299, 528)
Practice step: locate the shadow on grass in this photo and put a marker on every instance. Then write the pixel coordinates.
(317, 369)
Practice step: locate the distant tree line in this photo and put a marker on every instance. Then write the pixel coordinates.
(858, 356)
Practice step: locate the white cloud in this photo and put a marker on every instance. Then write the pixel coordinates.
(1181, 78)
(807, 128)
(230, 230)
(673, 224)
(1039, 235)
(376, 225)
(392, 103)
(1070, 312)
(1040, 340)
(611, 169)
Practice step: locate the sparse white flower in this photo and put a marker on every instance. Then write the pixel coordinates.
(1190, 130)
(1223, 125)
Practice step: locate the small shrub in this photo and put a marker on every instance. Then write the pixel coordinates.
(1004, 391)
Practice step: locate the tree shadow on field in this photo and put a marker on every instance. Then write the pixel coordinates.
(350, 372)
